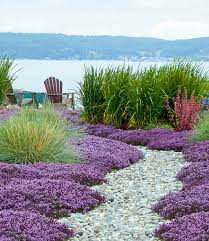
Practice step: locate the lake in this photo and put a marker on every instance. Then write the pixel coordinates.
(34, 72)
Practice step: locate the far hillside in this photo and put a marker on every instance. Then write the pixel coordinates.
(60, 46)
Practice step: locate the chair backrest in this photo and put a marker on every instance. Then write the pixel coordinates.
(54, 89)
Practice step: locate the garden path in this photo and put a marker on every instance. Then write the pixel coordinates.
(127, 216)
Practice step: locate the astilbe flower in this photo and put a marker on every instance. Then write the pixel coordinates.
(25, 225)
(107, 154)
(194, 174)
(49, 197)
(186, 112)
(193, 227)
(178, 204)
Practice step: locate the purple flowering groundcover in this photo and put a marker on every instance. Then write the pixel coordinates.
(52, 198)
(24, 225)
(197, 152)
(157, 138)
(194, 174)
(178, 204)
(193, 227)
(107, 154)
(6, 113)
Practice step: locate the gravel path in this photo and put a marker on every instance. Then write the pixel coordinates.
(131, 192)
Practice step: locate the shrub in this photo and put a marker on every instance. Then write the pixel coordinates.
(24, 225)
(192, 227)
(34, 136)
(136, 99)
(6, 77)
(186, 111)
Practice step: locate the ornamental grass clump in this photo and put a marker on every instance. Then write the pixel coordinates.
(7, 76)
(201, 130)
(33, 136)
(92, 95)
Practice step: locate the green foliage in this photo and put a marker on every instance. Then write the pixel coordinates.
(201, 130)
(91, 95)
(35, 135)
(6, 77)
(116, 82)
(128, 98)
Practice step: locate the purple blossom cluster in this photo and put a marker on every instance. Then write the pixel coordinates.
(52, 198)
(194, 174)
(107, 154)
(197, 152)
(193, 227)
(7, 112)
(172, 141)
(157, 138)
(26, 225)
(179, 204)
(82, 173)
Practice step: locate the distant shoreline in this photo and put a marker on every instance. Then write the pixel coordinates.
(121, 48)
(109, 60)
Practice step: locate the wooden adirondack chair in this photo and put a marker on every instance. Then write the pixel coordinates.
(20, 100)
(54, 90)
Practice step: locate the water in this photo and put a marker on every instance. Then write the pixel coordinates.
(34, 72)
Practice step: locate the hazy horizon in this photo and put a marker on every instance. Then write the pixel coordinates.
(89, 35)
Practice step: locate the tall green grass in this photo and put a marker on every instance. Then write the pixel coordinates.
(35, 135)
(116, 81)
(127, 98)
(7, 76)
(201, 130)
(92, 95)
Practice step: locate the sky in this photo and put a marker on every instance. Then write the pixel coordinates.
(167, 19)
